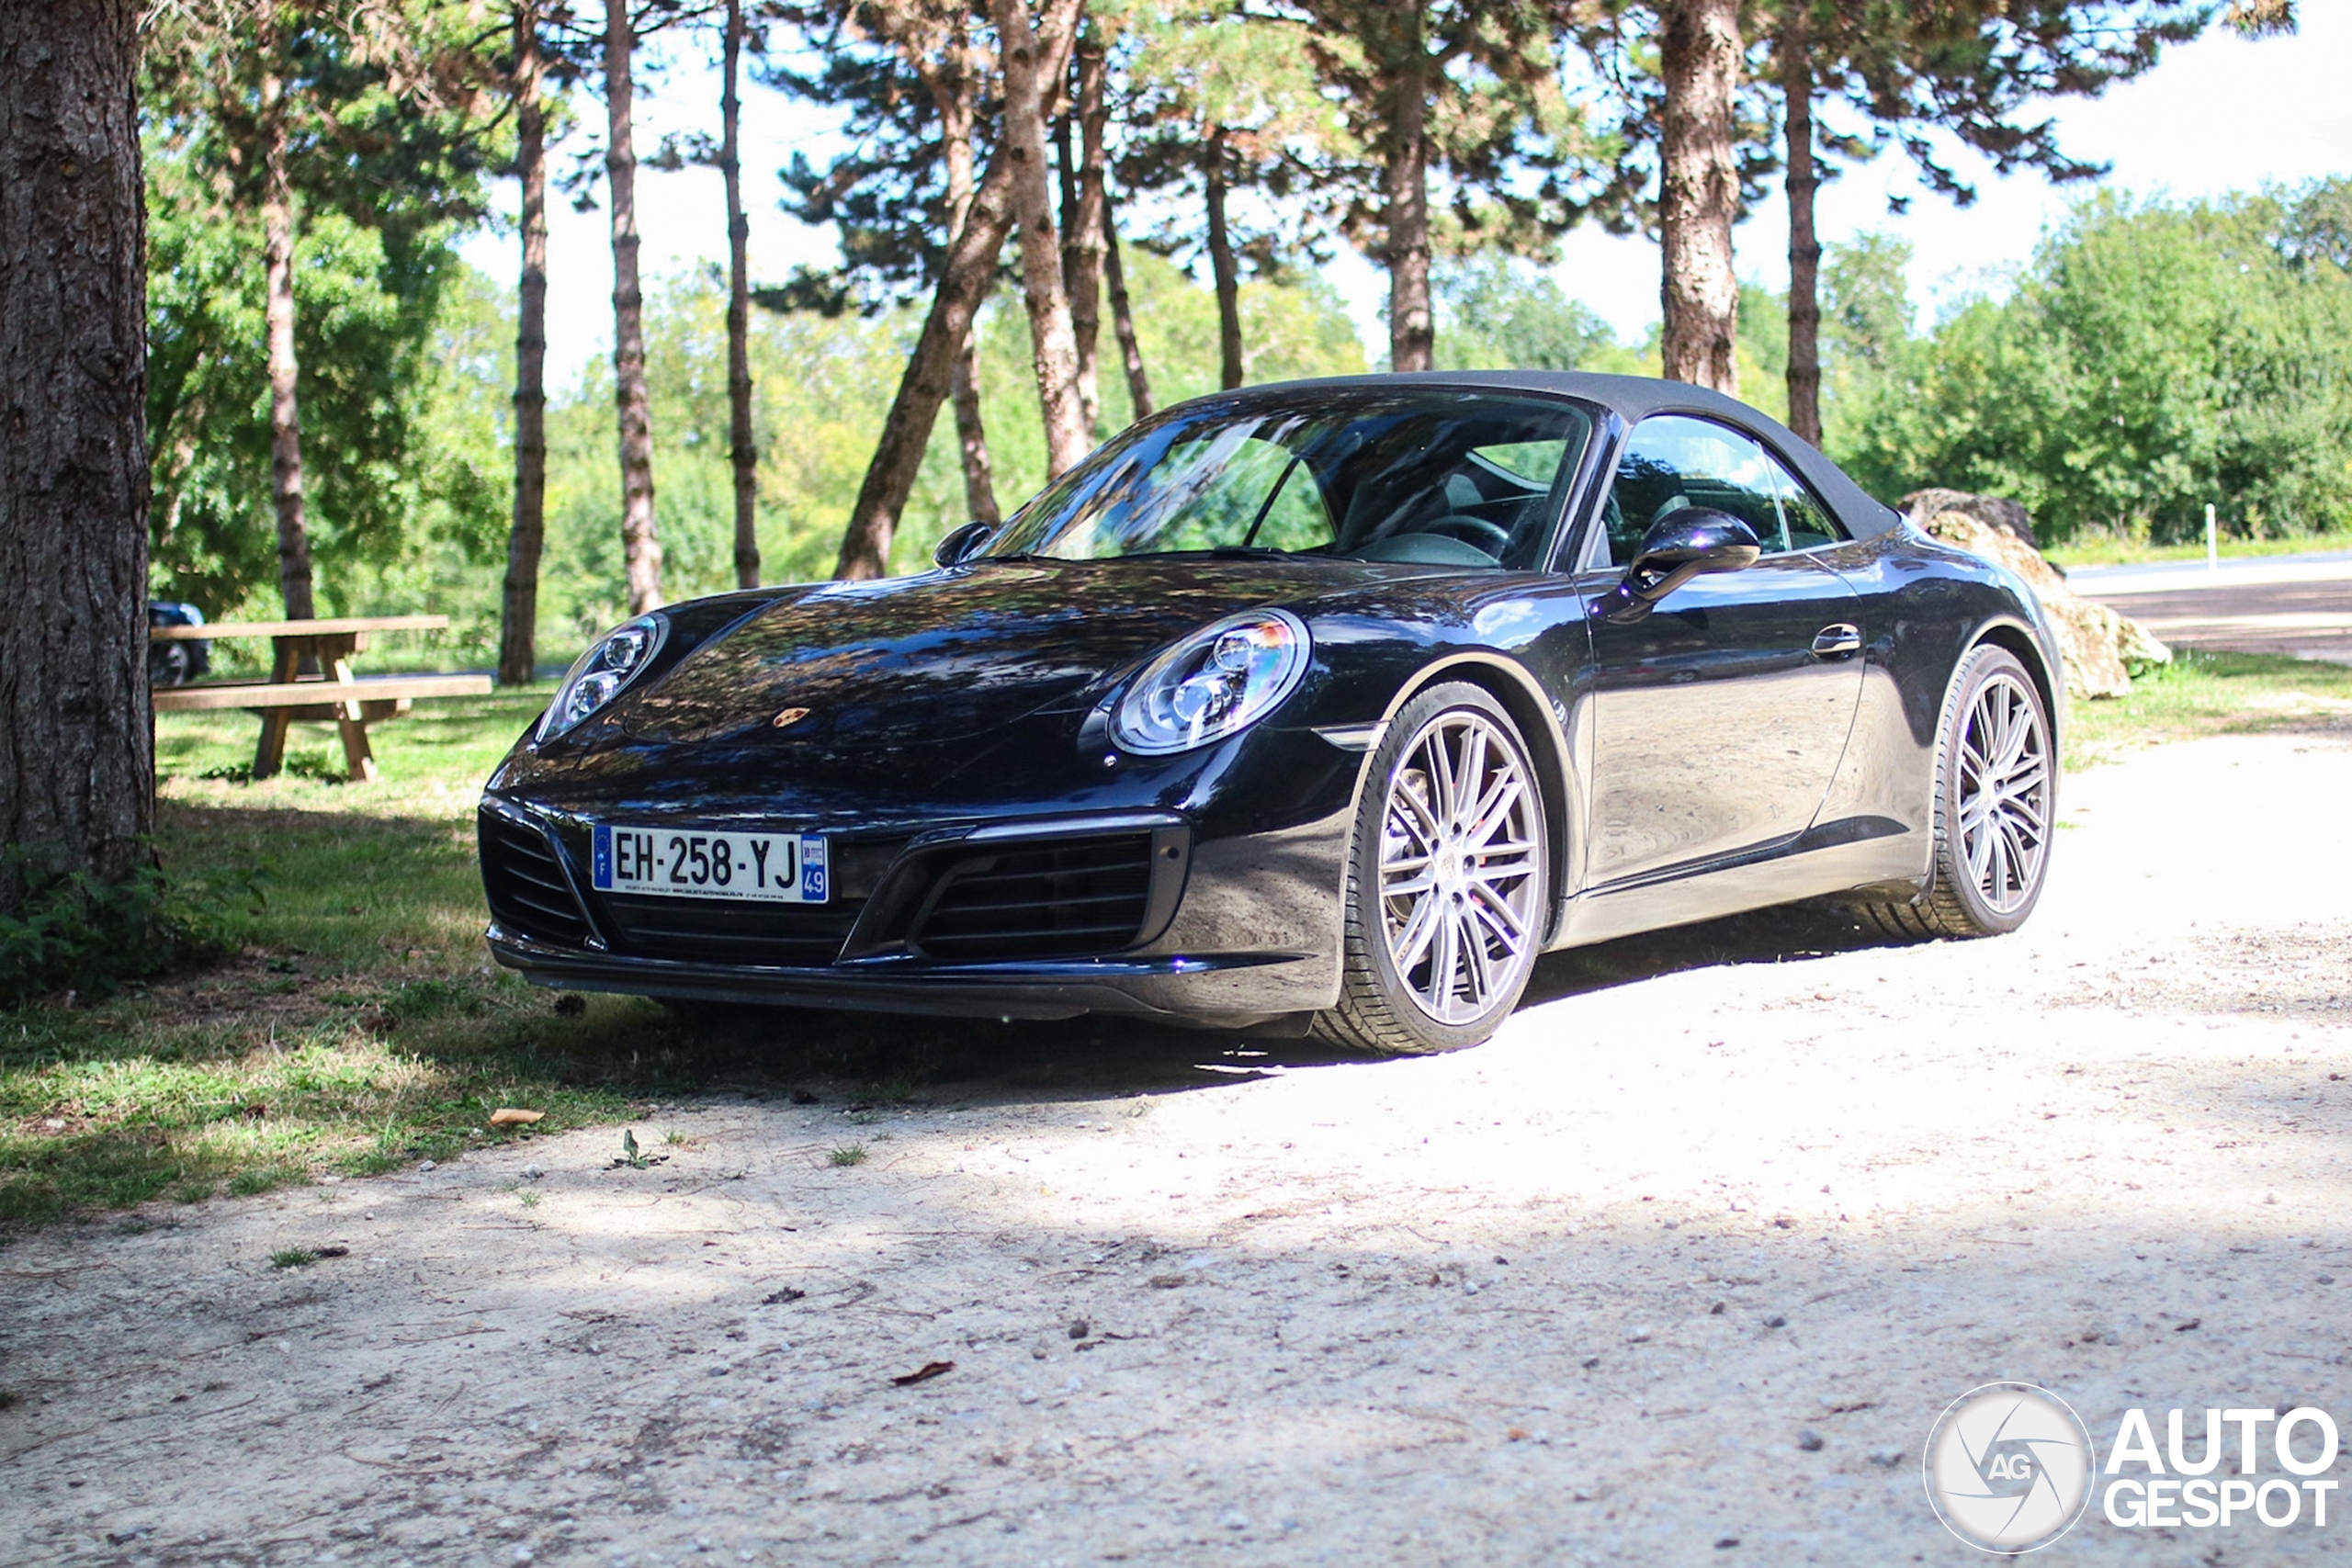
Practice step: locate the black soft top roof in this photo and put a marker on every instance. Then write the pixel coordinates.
(1634, 398)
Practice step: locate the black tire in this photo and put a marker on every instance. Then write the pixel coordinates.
(1965, 899)
(1380, 1009)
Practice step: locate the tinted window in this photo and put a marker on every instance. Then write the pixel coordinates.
(1673, 462)
(1807, 521)
(1433, 476)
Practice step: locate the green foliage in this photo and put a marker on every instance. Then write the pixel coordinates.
(2154, 358)
(71, 932)
(1496, 314)
(403, 359)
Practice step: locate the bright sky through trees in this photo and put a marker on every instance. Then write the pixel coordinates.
(2219, 114)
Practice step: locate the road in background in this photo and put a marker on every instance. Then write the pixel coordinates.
(2296, 605)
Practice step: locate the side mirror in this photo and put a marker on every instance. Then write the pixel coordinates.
(1679, 547)
(960, 542)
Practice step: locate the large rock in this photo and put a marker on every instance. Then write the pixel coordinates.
(2100, 647)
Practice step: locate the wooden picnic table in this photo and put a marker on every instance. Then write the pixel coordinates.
(351, 702)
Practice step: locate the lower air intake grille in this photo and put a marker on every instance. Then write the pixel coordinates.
(1077, 899)
(728, 931)
(525, 887)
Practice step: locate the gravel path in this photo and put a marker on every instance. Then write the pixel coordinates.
(1572, 1297)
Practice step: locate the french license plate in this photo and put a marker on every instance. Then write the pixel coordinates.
(781, 868)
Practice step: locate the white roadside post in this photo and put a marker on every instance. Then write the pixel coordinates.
(2212, 542)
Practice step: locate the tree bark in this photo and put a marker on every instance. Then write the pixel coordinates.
(77, 756)
(1123, 316)
(964, 276)
(278, 312)
(1698, 193)
(954, 100)
(519, 627)
(744, 454)
(1052, 341)
(640, 547)
(1222, 267)
(1805, 245)
(1412, 332)
(1082, 229)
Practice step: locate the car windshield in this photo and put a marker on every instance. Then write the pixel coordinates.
(1436, 476)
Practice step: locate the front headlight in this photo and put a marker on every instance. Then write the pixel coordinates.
(601, 673)
(1214, 683)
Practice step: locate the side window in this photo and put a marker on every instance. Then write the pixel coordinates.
(1675, 461)
(1809, 521)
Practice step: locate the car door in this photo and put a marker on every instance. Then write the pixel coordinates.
(1719, 717)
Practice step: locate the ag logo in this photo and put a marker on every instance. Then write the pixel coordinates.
(2008, 1467)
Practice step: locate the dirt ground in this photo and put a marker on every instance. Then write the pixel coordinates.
(1573, 1297)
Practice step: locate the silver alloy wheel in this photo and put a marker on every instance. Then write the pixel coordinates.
(1458, 873)
(2004, 793)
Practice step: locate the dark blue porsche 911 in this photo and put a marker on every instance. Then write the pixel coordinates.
(1324, 706)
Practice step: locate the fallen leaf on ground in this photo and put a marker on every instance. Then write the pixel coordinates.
(507, 1116)
(779, 1297)
(925, 1372)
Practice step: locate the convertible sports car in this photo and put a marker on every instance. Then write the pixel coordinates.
(1324, 706)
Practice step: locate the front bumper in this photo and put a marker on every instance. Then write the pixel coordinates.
(1120, 911)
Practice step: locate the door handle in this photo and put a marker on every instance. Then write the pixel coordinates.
(1838, 641)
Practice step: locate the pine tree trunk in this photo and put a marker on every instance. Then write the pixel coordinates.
(1123, 315)
(640, 547)
(954, 100)
(1082, 229)
(278, 314)
(1804, 246)
(964, 276)
(1052, 341)
(1222, 267)
(1698, 193)
(77, 756)
(1412, 332)
(519, 628)
(745, 455)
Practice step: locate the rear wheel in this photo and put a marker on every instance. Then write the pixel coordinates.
(1997, 793)
(1448, 881)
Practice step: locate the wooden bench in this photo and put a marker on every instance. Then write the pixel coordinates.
(351, 702)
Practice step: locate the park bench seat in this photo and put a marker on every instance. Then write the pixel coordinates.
(317, 701)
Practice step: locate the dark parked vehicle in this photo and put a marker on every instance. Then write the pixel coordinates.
(1329, 704)
(177, 661)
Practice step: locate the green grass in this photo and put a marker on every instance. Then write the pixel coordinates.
(847, 1154)
(293, 1257)
(2201, 694)
(2108, 550)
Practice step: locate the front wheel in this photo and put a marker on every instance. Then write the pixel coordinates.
(1996, 796)
(1448, 880)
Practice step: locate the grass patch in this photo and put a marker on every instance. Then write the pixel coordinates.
(293, 1257)
(2201, 694)
(2108, 550)
(847, 1154)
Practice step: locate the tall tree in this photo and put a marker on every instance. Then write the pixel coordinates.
(1085, 199)
(964, 274)
(640, 544)
(1698, 192)
(518, 626)
(1123, 315)
(1464, 92)
(284, 412)
(898, 196)
(744, 456)
(76, 767)
(1220, 104)
(1970, 71)
(1028, 93)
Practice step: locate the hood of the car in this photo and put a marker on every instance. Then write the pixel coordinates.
(952, 656)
